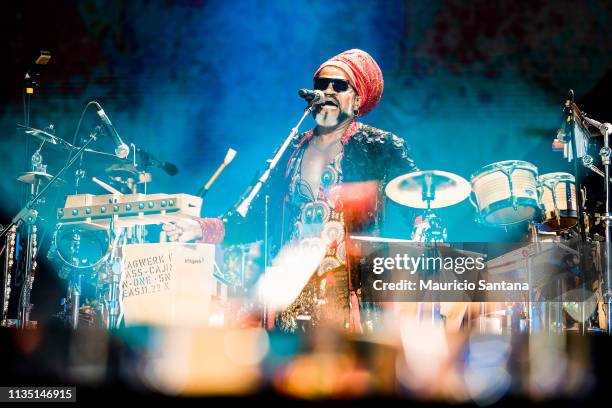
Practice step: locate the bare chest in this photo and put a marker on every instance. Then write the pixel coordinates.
(314, 162)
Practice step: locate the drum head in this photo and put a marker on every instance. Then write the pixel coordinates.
(506, 164)
(551, 179)
(508, 215)
(504, 213)
(566, 221)
(81, 245)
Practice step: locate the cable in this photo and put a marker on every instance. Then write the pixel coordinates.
(78, 127)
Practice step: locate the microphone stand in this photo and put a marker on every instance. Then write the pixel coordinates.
(28, 214)
(606, 129)
(245, 203)
(587, 161)
(247, 198)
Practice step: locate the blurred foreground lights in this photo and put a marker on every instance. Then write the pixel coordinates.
(548, 365)
(28, 341)
(486, 374)
(428, 366)
(290, 272)
(246, 347)
(206, 361)
(88, 356)
(323, 375)
(425, 353)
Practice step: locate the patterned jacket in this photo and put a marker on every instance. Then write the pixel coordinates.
(369, 154)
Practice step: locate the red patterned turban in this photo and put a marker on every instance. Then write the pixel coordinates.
(364, 74)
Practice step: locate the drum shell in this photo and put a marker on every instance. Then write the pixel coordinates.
(506, 193)
(559, 201)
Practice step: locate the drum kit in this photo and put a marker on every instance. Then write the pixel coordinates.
(512, 194)
(503, 194)
(506, 194)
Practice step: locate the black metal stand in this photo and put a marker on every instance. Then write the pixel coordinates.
(28, 215)
(245, 202)
(606, 129)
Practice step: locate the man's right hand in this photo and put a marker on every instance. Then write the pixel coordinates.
(183, 230)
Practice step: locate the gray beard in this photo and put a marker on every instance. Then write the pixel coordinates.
(327, 119)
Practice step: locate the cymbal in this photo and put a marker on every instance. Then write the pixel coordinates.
(58, 142)
(445, 189)
(33, 177)
(47, 137)
(122, 169)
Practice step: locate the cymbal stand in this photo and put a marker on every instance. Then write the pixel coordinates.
(31, 229)
(433, 230)
(31, 247)
(31, 82)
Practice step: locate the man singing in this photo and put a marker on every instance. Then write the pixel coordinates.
(339, 153)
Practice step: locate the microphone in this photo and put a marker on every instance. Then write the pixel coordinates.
(121, 149)
(312, 96)
(150, 160)
(169, 168)
(568, 114)
(229, 156)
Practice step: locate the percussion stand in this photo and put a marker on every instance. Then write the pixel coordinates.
(533, 229)
(605, 154)
(138, 231)
(606, 129)
(28, 215)
(74, 298)
(113, 303)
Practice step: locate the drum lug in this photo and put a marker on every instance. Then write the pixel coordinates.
(514, 201)
(472, 201)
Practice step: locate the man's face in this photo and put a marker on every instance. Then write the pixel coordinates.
(337, 105)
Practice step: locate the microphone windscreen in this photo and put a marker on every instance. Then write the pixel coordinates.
(170, 169)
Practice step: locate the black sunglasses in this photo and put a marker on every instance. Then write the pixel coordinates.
(339, 85)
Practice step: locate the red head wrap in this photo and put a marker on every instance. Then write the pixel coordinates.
(364, 74)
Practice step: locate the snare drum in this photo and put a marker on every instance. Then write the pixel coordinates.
(506, 192)
(558, 192)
